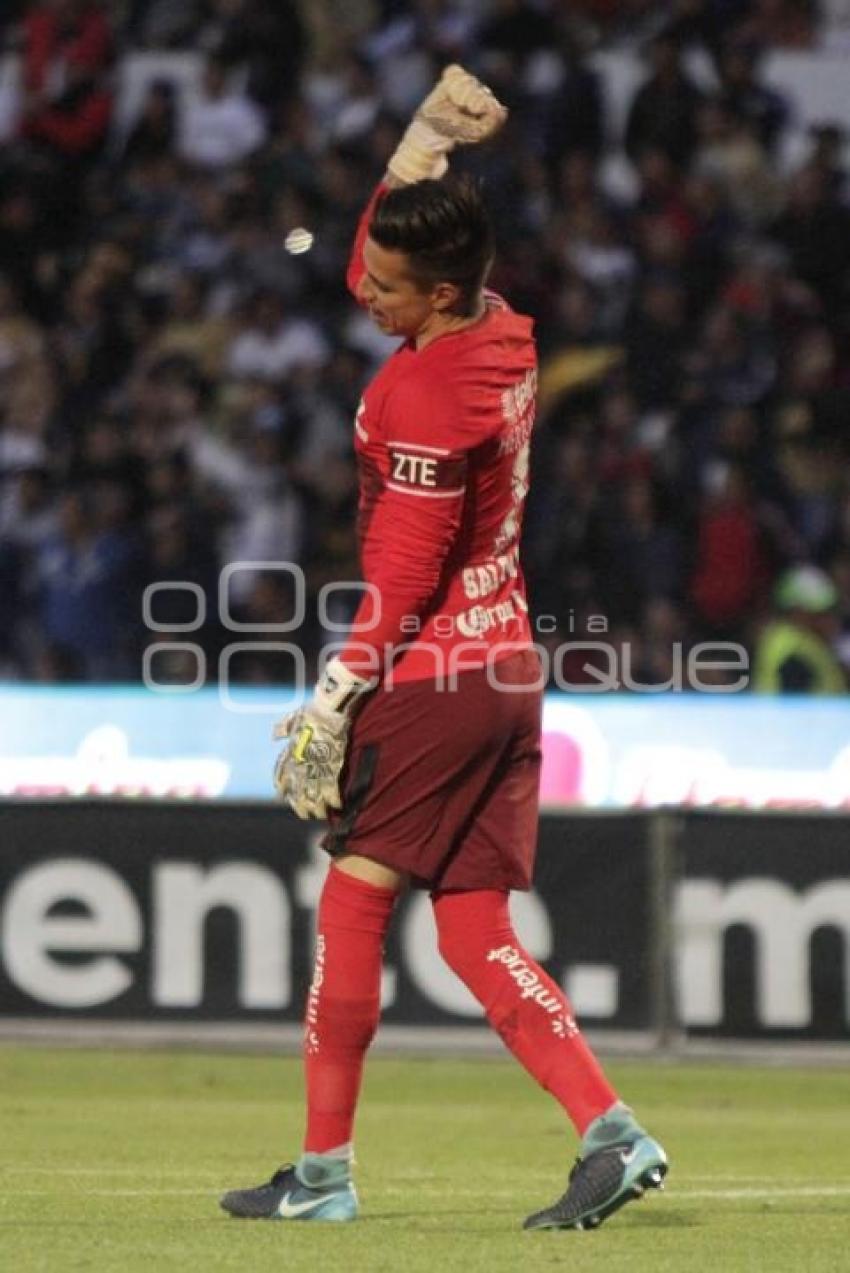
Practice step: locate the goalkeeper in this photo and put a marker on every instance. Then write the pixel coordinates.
(421, 745)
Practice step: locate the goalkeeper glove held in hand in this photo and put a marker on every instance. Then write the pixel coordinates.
(307, 771)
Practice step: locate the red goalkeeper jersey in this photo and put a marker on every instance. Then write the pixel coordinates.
(442, 439)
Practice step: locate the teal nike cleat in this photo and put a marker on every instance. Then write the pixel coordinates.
(603, 1181)
(286, 1198)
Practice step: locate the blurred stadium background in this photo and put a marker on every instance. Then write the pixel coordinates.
(181, 363)
(179, 370)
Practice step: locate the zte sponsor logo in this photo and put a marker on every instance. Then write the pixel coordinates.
(413, 470)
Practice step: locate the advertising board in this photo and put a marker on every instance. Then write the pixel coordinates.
(610, 751)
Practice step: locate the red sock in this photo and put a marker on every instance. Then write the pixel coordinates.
(343, 1004)
(523, 1004)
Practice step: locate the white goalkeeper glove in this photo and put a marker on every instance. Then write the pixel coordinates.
(458, 111)
(307, 771)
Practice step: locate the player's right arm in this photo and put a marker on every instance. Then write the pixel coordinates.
(459, 111)
(356, 265)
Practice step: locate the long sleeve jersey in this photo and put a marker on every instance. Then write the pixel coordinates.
(442, 437)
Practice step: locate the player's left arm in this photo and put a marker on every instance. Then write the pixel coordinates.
(415, 523)
(417, 526)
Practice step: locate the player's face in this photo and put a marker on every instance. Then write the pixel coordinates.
(394, 301)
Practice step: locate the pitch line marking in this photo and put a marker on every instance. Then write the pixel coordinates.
(681, 1195)
(117, 1193)
(677, 1193)
(109, 1171)
(800, 1191)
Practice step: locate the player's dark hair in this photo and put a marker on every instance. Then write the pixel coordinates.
(443, 229)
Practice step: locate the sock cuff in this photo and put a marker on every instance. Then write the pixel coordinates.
(616, 1124)
(324, 1170)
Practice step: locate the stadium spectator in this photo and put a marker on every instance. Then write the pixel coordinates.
(516, 28)
(663, 114)
(28, 520)
(269, 602)
(730, 567)
(784, 24)
(730, 155)
(707, 23)
(154, 133)
(88, 588)
(22, 239)
(573, 121)
(815, 229)
(11, 13)
(92, 343)
(795, 652)
(656, 340)
(265, 42)
(356, 114)
(763, 108)
(164, 24)
(28, 513)
(272, 344)
(221, 126)
(22, 345)
(639, 553)
(596, 250)
(65, 108)
(67, 100)
(828, 143)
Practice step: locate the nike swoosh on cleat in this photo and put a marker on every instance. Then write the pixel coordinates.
(291, 1210)
(628, 1155)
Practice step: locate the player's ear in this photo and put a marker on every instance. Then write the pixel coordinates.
(445, 296)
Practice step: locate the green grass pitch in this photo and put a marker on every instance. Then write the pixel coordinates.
(112, 1162)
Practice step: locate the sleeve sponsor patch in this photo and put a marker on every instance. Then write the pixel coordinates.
(428, 471)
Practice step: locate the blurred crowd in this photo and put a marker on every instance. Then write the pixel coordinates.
(180, 364)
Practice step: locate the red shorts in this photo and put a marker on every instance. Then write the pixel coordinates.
(443, 784)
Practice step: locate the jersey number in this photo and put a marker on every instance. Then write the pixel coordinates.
(509, 529)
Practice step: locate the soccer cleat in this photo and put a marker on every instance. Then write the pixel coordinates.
(602, 1182)
(286, 1198)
